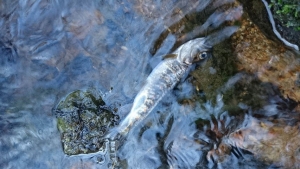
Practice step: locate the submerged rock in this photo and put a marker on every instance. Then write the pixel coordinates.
(278, 26)
(286, 19)
(83, 119)
(270, 61)
(274, 143)
(269, 135)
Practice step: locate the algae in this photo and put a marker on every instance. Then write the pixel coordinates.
(210, 77)
(287, 11)
(83, 119)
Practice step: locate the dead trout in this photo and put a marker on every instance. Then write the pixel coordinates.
(162, 79)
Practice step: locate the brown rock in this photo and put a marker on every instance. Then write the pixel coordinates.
(270, 61)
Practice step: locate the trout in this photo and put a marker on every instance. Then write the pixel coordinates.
(161, 80)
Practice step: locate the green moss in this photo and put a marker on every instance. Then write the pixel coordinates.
(215, 73)
(249, 91)
(287, 12)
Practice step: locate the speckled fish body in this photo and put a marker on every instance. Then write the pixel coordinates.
(162, 79)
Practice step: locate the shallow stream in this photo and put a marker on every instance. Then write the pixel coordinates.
(214, 119)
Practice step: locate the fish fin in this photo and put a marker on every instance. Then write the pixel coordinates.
(169, 56)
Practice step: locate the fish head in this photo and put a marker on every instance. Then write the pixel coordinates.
(198, 49)
(193, 51)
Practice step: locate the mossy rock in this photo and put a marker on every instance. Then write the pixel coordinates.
(83, 119)
(249, 92)
(285, 24)
(287, 11)
(210, 77)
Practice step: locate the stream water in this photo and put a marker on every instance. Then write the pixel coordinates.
(50, 48)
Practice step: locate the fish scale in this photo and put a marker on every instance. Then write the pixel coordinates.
(164, 77)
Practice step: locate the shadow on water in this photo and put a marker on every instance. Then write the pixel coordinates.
(50, 49)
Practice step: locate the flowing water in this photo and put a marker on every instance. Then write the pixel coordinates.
(50, 48)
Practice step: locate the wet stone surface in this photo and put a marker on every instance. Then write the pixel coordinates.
(270, 61)
(82, 119)
(229, 113)
(273, 141)
(259, 15)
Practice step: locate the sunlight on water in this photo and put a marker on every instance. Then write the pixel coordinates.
(51, 48)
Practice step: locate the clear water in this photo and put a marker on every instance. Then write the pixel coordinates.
(49, 48)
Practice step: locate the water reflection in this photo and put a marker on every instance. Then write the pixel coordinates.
(51, 48)
(271, 138)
